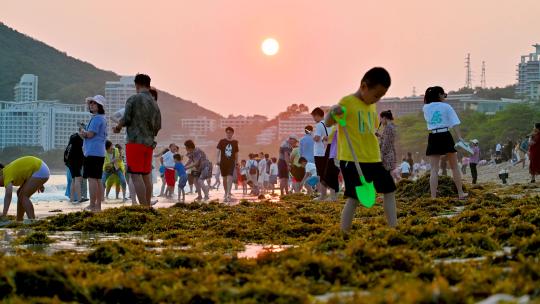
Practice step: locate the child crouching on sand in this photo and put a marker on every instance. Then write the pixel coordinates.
(362, 121)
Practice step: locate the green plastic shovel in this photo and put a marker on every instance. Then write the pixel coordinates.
(365, 193)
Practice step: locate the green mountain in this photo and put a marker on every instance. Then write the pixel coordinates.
(70, 80)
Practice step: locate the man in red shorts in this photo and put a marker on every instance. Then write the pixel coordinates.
(142, 120)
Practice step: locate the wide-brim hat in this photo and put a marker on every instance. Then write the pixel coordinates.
(474, 141)
(97, 99)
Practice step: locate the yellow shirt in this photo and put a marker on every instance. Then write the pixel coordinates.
(20, 170)
(362, 122)
(119, 164)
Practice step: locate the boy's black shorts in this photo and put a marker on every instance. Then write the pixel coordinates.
(373, 172)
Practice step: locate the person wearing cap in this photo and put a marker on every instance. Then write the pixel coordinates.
(142, 120)
(94, 137)
(474, 160)
(285, 150)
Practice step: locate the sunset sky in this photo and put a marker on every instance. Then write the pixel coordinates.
(210, 51)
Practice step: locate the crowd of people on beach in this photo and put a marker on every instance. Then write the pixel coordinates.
(347, 144)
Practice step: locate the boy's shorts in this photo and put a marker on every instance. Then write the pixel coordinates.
(373, 172)
(182, 181)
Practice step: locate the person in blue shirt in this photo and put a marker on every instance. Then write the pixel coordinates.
(307, 145)
(182, 177)
(94, 136)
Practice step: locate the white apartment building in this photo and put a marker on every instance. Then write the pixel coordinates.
(529, 75)
(238, 122)
(46, 124)
(27, 88)
(198, 126)
(116, 94)
(267, 136)
(294, 125)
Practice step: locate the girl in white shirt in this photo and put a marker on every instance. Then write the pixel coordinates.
(440, 118)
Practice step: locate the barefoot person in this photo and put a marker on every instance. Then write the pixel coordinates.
(94, 136)
(29, 174)
(142, 120)
(440, 118)
(201, 169)
(227, 158)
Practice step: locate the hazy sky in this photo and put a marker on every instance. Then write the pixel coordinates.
(209, 51)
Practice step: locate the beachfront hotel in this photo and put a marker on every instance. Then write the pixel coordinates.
(40, 123)
(47, 124)
(116, 94)
(528, 75)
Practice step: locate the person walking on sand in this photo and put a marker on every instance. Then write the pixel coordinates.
(387, 141)
(320, 136)
(363, 121)
(440, 118)
(534, 153)
(95, 135)
(285, 150)
(142, 120)
(29, 174)
(474, 160)
(227, 159)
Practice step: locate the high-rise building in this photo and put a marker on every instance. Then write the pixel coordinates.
(116, 94)
(27, 88)
(529, 75)
(201, 125)
(294, 125)
(41, 123)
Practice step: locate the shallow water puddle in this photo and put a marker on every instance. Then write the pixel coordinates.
(457, 210)
(507, 251)
(63, 240)
(252, 251)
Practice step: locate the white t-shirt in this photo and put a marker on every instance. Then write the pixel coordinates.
(440, 115)
(498, 148)
(274, 169)
(168, 160)
(319, 148)
(311, 169)
(405, 167)
(262, 167)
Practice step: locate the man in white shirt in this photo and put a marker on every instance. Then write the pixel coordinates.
(320, 136)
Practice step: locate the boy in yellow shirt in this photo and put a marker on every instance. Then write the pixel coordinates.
(362, 122)
(29, 174)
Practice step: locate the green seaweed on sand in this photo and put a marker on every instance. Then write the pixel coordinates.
(36, 238)
(190, 253)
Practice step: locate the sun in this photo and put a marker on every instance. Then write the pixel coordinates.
(270, 46)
